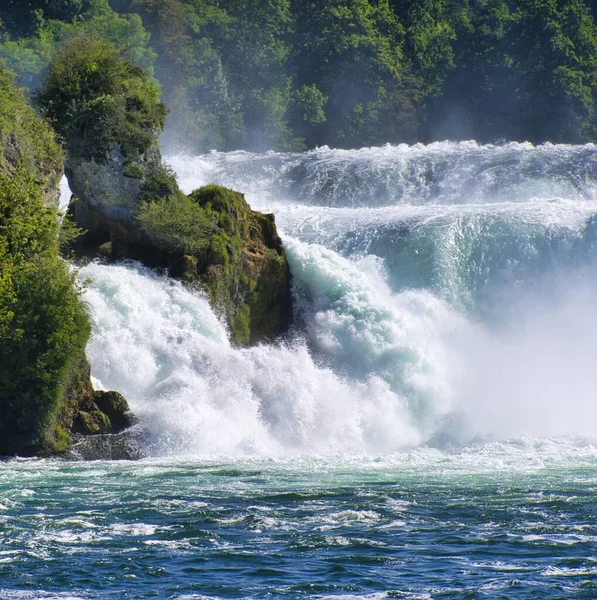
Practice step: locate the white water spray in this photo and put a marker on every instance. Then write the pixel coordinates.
(444, 292)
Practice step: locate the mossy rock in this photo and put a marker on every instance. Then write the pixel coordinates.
(85, 411)
(116, 408)
(244, 268)
(214, 238)
(129, 198)
(93, 422)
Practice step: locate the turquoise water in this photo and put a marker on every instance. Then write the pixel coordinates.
(508, 520)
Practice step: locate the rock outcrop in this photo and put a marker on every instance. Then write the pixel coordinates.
(131, 207)
(238, 258)
(231, 251)
(86, 411)
(45, 388)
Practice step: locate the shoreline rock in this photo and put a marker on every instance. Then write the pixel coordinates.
(45, 387)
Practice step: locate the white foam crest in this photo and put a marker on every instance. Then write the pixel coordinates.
(439, 173)
(164, 349)
(402, 341)
(378, 371)
(65, 195)
(385, 362)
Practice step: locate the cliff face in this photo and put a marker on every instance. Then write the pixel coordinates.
(44, 383)
(130, 204)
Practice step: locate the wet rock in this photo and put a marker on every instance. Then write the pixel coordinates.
(126, 445)
(91, 423)
(116, 408)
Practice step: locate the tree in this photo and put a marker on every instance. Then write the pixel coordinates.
(30, 55)
(351, 51)
(43, 324)
(95, 97)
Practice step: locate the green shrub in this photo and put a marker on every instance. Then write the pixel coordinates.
(25, 139)
(160, 183)
(43, 323)
(133, 170)
(177, 224)
(95, 98)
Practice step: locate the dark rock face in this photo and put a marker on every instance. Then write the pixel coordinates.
(89, 412)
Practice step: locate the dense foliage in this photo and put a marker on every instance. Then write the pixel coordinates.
(290, 74)
(43, 324)
(94, 97)
(177, 224)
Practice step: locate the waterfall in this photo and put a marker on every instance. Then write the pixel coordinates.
(445, 294)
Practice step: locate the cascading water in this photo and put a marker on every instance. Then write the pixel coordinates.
(444, 294)
(427, 431)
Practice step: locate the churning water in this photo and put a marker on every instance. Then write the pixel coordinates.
(428, 430)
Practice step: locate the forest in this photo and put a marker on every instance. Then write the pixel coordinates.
(295, 74)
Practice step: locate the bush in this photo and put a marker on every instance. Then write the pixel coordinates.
(133, 170)
(160, 183)
(25, 139)
(95, 98)
(177, 224)
(43, 324)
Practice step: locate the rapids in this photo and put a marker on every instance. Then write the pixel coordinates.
(427, 430)
(444, 295)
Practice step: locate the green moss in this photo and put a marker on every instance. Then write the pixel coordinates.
(62, 440)
(240, 325)
(92, 422)
(247, 273)
(95, 98)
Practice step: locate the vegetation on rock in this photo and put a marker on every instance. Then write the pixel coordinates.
(109, 114)
(94, 97)
(213, 237)
(177, 225)
(44, 326)
(244, 266)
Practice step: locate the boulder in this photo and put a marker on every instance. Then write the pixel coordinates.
(86, 411)
(126, 445)
(116, 408)
(91, 423)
